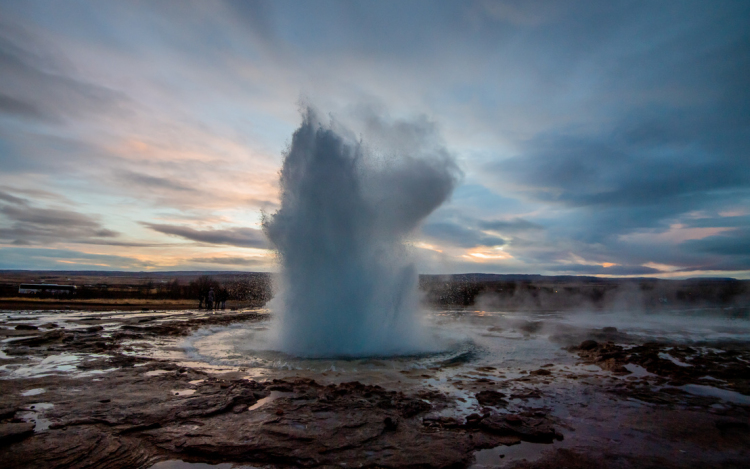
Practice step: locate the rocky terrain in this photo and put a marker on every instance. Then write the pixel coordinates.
(624, 404)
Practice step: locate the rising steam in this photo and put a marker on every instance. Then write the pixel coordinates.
(347, 287)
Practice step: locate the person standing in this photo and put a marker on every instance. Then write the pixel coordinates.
(223, 296)
(211, 297)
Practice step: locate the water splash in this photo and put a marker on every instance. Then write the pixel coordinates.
(346, 286)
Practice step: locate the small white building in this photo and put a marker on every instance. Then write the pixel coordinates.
(51, 288)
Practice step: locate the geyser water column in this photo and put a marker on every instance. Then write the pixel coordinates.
(346, 287)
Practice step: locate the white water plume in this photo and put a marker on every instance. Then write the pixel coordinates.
(347, 287)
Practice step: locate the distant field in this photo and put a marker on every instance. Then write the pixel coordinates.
(182, 290)
(134, 290)
(18, 303)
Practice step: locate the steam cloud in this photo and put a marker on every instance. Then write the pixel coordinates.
(347, 287)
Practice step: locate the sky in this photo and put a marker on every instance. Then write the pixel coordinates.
(594, 138)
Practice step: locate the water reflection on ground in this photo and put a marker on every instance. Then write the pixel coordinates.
(523, 357)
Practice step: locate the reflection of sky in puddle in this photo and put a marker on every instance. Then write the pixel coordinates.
(710, 391)
(35, 413)
(54, 364)
(80, 320)
(511, 454)
(636, 371)
(511, 342)
(472, 343)
(669, 357)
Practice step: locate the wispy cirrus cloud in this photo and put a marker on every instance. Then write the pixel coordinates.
(38, 84)
(23, 223)
(240, 237)
(150, 181)
(514, 225)
(458, 234)
(231, 261)
(66, 259)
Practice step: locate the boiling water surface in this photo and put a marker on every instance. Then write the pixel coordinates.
(461, 342)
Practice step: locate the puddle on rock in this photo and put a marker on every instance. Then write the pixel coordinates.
(33, 392)
(710, 391)
(666, 356)
(487, 458)
(270, 398)
(64, 363)
(637, 371)
(35, 413)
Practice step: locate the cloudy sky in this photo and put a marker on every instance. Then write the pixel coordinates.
(605, 138)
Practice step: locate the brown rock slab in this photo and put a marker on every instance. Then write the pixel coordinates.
(588, 345)
(11, 432)
(491, 398)
(535, 430)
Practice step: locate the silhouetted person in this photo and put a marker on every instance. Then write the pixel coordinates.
(204, 298)
(222, 297)
(211, 298)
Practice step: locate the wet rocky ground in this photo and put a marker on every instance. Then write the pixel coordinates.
(86, 390)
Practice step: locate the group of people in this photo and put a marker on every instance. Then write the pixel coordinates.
(211, 299)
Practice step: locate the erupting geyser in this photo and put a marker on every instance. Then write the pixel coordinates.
(346, 286)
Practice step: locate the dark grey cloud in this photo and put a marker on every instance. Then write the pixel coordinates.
(608, 174)
(459, 235)
(37, 83)
(12, 199)
(731, 243)
(670, 140)
(580, 269)
(31, 151)
(126, 244)
(719, 222)
(334, 27)
(155, 182)
(238, 261)
(240, 237)
(43, 98)
(16, 107)
(509, 226)
(23, 223)
(55, 218)
(256, 15)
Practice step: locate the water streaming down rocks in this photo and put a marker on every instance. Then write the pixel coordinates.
(346, 286)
